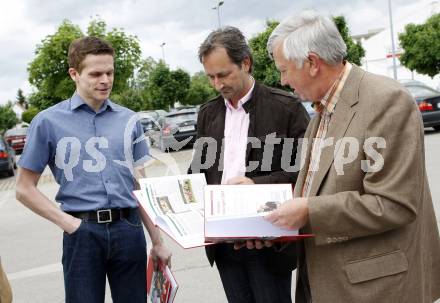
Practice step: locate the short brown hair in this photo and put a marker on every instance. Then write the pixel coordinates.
(84, 46)
(234, 42)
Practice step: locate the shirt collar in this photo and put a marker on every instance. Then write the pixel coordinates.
(331, 97)
(76, 101)
(243, 100)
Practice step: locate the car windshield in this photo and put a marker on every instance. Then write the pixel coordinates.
(16, 132)
(421, 91)
(179, 118)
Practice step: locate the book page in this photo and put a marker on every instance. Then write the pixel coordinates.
(176, 205)
(229, 201)
(237, 211)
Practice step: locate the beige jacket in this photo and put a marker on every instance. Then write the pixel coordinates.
(376, 236)
(5, 288)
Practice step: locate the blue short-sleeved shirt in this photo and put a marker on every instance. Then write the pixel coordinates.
(91, 155)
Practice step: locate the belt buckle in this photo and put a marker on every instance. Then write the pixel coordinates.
(104, 211)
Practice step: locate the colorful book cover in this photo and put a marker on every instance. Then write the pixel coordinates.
(161, 284)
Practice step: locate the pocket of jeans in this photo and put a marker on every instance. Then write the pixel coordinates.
(76, 230)
(134, 221)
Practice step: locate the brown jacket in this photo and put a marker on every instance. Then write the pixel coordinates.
(376, 236)
(270, 111)
(5, 288)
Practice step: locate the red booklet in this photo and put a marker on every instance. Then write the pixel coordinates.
(161, 284)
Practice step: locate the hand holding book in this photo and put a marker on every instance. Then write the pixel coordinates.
(160, 254)
(292, 214)
(195, 214)
(251, 244)
(161, 284)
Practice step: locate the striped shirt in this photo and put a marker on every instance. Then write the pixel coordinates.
(326, 109)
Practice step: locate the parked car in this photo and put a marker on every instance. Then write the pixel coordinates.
(428, 100)
(309, 108)
(178, 125)
(7, 158)
(147, 121)
(16, 138)
(155, 114)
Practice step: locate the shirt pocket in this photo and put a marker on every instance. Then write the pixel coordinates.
(375, 267)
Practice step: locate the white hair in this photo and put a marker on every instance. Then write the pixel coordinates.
(305, 33)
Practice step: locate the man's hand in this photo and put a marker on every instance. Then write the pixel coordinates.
(160, 254)
(71, 224)
(240, 181)
(251, 244)
(292, 214)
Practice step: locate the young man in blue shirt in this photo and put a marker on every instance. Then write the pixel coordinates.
(86, 141)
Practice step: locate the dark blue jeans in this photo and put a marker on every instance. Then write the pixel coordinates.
(246, 277)
(116, 250)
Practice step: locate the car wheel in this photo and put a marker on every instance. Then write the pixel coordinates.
(15, 165)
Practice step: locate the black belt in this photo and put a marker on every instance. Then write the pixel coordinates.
(103, 215)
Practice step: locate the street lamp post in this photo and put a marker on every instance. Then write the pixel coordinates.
(163, 51)
(220, 3)
(393, 47)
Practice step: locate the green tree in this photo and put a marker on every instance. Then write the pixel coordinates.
(355, 51)
(421, 46)
(21, 99)
(132, 98)
(8, 119)
(181, 80)
(200, 90)
(48, 70)
(158, 88)
(29, 114)
(166, 87)
(127, 57)
(264, 68)
(97, 28)
(147, 65)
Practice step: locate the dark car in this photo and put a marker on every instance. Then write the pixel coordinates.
(7, 158)
(175, 130)
(428, 100)
(309, 108)
(16, 138)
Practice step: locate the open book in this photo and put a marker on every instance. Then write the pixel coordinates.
(175, 205)
(161, 284)
(236, 212)
(195, 214)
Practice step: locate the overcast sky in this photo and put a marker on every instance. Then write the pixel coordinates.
(181, 24)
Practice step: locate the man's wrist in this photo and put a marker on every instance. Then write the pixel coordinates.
(157, 241)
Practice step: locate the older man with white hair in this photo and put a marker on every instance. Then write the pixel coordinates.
(363, 191)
